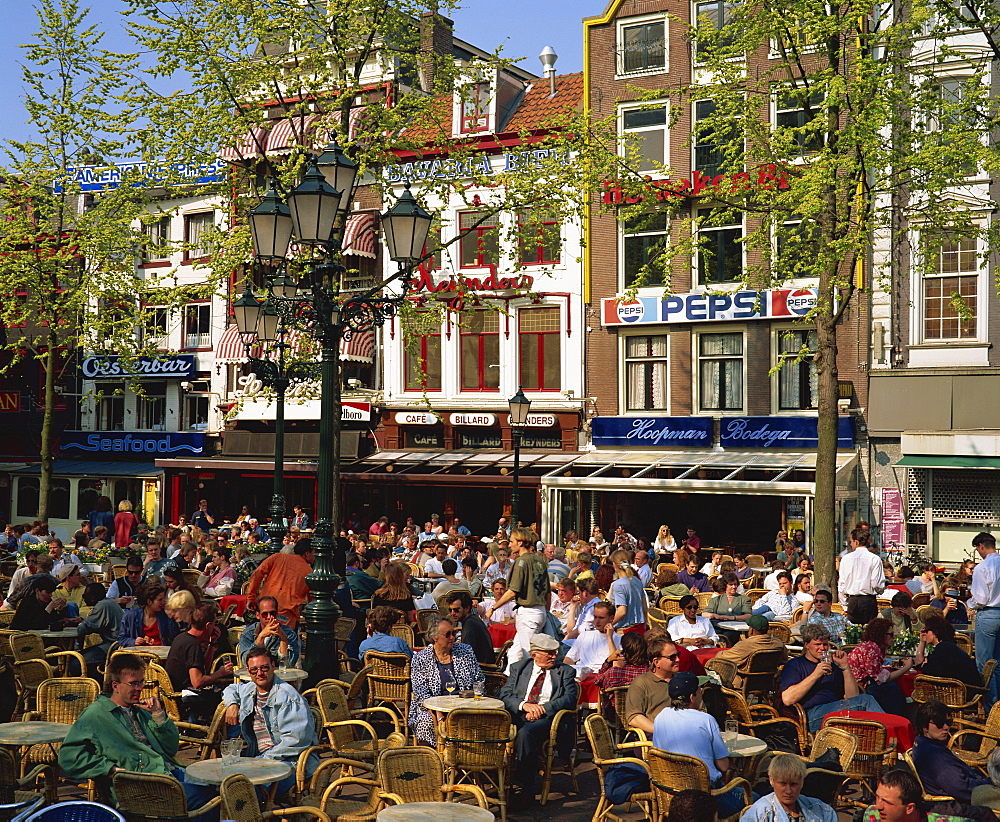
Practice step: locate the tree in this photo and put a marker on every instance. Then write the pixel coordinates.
(68, 279)
(864, 134)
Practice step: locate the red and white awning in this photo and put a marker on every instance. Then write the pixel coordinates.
(231, 348)
(359, 348)
(359, 235)
(277, 137)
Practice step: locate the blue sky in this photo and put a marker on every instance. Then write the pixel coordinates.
(522, 27)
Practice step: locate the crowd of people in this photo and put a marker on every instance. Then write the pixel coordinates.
(579, 612)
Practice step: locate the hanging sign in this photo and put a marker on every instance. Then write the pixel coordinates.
(415, 418)
(481, 420)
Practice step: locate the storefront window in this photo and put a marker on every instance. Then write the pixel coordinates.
(539, 342)
(720, 372)
(646, 373)
(27, 497)
(87, 493)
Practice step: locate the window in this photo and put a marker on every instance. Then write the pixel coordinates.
(111, 408)
(432, 246)
(797, 112)
(647, 130)
(947, 117)
(646, 374)
(59, 498)
(423, 366)
(153, 406)
(156, 248)
(27, 497)
(198, 325)
(645, 240)
(480, 340)
(197, 228)
(480, 240)
(797, 385)
(720, 252)
(951, 288)
(154, 325)
(796, 249)
(539, 344)
(475, 108)
(87, 492)
(642, 47)
(538, 232)
(713, 15)
(710, 145)
(196, 412)
(720, 372)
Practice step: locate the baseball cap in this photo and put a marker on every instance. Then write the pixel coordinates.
(684, 684)
(758, 622)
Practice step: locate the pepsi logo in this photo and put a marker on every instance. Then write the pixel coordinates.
(801, 301)
(630, 312)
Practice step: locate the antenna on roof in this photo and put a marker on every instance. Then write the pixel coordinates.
(548, 58)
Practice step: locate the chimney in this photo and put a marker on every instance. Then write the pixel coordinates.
(436, 32)
(548, 58)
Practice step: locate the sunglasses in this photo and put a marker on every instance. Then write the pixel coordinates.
(822, 601)
(263, 669)
(671, 657)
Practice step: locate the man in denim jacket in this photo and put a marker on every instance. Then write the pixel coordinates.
(273, 718)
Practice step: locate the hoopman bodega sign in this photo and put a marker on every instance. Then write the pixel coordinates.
(768, 177)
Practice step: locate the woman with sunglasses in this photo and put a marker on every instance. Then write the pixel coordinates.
(872, 676)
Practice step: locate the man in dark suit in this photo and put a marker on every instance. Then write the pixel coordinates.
(536, 690)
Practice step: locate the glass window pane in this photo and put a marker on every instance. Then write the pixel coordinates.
(528, 351)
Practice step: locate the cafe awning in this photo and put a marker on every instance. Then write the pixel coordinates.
(948, 461)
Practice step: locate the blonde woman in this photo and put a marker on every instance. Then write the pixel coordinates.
(126, 524)
(664, 545)
(626, 595)
(179, 606)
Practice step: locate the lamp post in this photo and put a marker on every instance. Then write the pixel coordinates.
(315, 214)
(520, 405)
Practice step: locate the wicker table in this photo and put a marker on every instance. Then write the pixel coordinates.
(435, 812)
(32, 733)
(258, 771)
(445, 704)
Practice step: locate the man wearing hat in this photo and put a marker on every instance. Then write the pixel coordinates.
(683, 728)
(757, 639)
(536, 690)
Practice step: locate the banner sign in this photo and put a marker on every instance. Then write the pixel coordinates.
(118, 442)
(141, 175)
(779, 432)
(454, 169)
(653, 432)
(173, 366)
(893, 520)
(783, 303)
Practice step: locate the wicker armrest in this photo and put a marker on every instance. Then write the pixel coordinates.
(389, 798)
(735, 783)
(625, 760)
(74, 654)
(356, 723)
(763, 710)
(475, 790)
(214, 802)
(34, 773)
(641, 743)
(557, 721)
(323, 767)
(316, 813)
(32, 716)
(953, 742)
(390, 715)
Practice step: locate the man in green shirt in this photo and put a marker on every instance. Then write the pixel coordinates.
(123, 732)
(529, 588)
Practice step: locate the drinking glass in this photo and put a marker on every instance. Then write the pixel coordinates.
(449, 686)
(283, 664)
(477, 690)
(230, 750)
(732, 729)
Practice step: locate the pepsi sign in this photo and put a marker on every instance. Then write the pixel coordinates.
(784, 303)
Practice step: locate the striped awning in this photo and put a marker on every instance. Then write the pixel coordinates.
(276, 137)
(359, 235)
(359, 348)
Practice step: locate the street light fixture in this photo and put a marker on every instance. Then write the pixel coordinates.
(315, 214)
(520, 405)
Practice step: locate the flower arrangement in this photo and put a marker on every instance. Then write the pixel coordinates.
(852, 634)
(904, 644)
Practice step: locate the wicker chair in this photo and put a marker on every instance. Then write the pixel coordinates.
(986, 737)
(502, 651)
(16, 789)
(756, 593)
(416, 774)
(476, 746)
(763, 721)
(423, 619)
(60, 699)
(759, 673)
(28, 676)
(613, 710)
(494, 682)
(25, 646)
(671, 606)
(725, 668)
(389, 682)
(919, 600)
(549, 755)
(74, 811)
(950, 692)
(830, 737)
(655, 622)
(671, 773)
(404, 631)
(205, 738)
(240, 804)
(875, 753)
(191, 576)
(158, 681)
(606, 755)
(704, 598)
(927, 797)
(151, 797)
(781, 630)
(756, 560)
(6, 617)
(348, 733)
(989, 669)
(354, 809)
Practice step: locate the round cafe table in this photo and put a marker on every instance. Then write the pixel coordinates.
(259, 771)
(897, 727)
(434, 812)
(734, 625)
(705, 654)
(747, 750)
(159, 651)
(63, 639)
(445, 704)
(32, 733)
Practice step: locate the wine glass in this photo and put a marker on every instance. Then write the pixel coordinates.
(449, 686)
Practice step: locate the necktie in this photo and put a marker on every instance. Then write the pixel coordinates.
(536, 688)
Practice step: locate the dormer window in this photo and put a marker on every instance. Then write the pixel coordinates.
(475, 102)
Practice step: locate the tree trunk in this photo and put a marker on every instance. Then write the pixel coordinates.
(824, 538)
(49, 364)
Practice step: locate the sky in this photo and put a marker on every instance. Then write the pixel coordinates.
(522, 27)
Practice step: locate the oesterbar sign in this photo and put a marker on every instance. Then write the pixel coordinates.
(784, 303)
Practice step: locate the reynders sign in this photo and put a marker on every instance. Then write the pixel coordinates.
(784, 303)
(764, 178)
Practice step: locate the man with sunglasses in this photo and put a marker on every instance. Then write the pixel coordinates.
(650, 693)
(821, 613)
(127, 587)
(270, 631)
(273, 718)
(475, 634)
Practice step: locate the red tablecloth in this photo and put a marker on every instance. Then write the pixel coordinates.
(500, 632)
(234, 599)
(897, 727)
(590, 694)
(897, 588)
(705, 654)
(906, 682)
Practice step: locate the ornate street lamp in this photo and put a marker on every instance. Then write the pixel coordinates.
(520, 405)
(317, 211)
